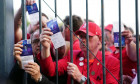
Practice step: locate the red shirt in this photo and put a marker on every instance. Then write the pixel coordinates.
(127, 64)
(112, 48)
(96, 73)
(28, 36)
(76, 45)
(107, 53)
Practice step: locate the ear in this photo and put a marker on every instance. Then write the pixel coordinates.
(100, 38)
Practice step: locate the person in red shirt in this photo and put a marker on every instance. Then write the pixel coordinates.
(78, 69)
(129, 57)
(77, 22)
(109, 38)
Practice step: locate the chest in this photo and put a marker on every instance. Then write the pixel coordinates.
(95, 68)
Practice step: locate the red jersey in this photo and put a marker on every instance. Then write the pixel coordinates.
(112, 48)
(95, 67)
(128, 65)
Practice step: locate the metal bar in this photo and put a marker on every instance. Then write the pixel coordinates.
(24, 20)
(103, 48)
(137, 41)
(24, 34)
(87, 42)
(40, 19)
(120, 44)
(56, 50)
(71, 34)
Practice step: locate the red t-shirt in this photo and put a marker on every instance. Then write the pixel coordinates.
(112, 48)
(128, 65)
(76, 45)
(107, 53)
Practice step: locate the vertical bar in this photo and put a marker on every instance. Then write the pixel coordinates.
(87, 41)
(40, 15)
(71, 34)
(56, 50)
(24, 20)
(40, 19)
(137, 42)
(7, 39)
(120, 44)
(24, 31)
(103, 48)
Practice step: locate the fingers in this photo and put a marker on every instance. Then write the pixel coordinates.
(30, 2)
(19, 44)
(17, 53)
(71, 64)
(32, 68)
(71, 68)
(45, 35)
(126, 33)
(17, 50)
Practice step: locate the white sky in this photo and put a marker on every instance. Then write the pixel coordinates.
(79, 8)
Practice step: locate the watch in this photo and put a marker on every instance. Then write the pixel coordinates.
(40, 78)
(83, 79)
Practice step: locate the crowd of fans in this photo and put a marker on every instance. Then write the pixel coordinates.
(43, 69)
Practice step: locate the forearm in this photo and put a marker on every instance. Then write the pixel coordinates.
(46, 62)
(17, 20)
(45, 53)
(17, 24)
(131, 51)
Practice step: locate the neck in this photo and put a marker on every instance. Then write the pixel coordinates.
(91, 55)
(75, 38)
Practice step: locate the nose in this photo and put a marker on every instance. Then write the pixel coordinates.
(38, 44)
(83, 40)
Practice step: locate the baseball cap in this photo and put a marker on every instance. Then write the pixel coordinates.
(109, 27)
(94, 29)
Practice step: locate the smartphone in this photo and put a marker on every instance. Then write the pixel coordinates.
(116, 40)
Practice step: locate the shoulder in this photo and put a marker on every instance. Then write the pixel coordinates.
(111, 59)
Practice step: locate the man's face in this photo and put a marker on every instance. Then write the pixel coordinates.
(67, 34)
(109, 37)
(93, 42)
(35, 42)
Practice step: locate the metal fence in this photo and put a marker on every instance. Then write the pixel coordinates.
(87, 38)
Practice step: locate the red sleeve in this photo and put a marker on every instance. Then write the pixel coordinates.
(48, 66)
(28, 36)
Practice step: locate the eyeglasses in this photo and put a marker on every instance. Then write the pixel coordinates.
(35, 41)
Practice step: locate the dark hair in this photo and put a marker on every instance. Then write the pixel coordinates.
(43, 14)
(77, 22)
